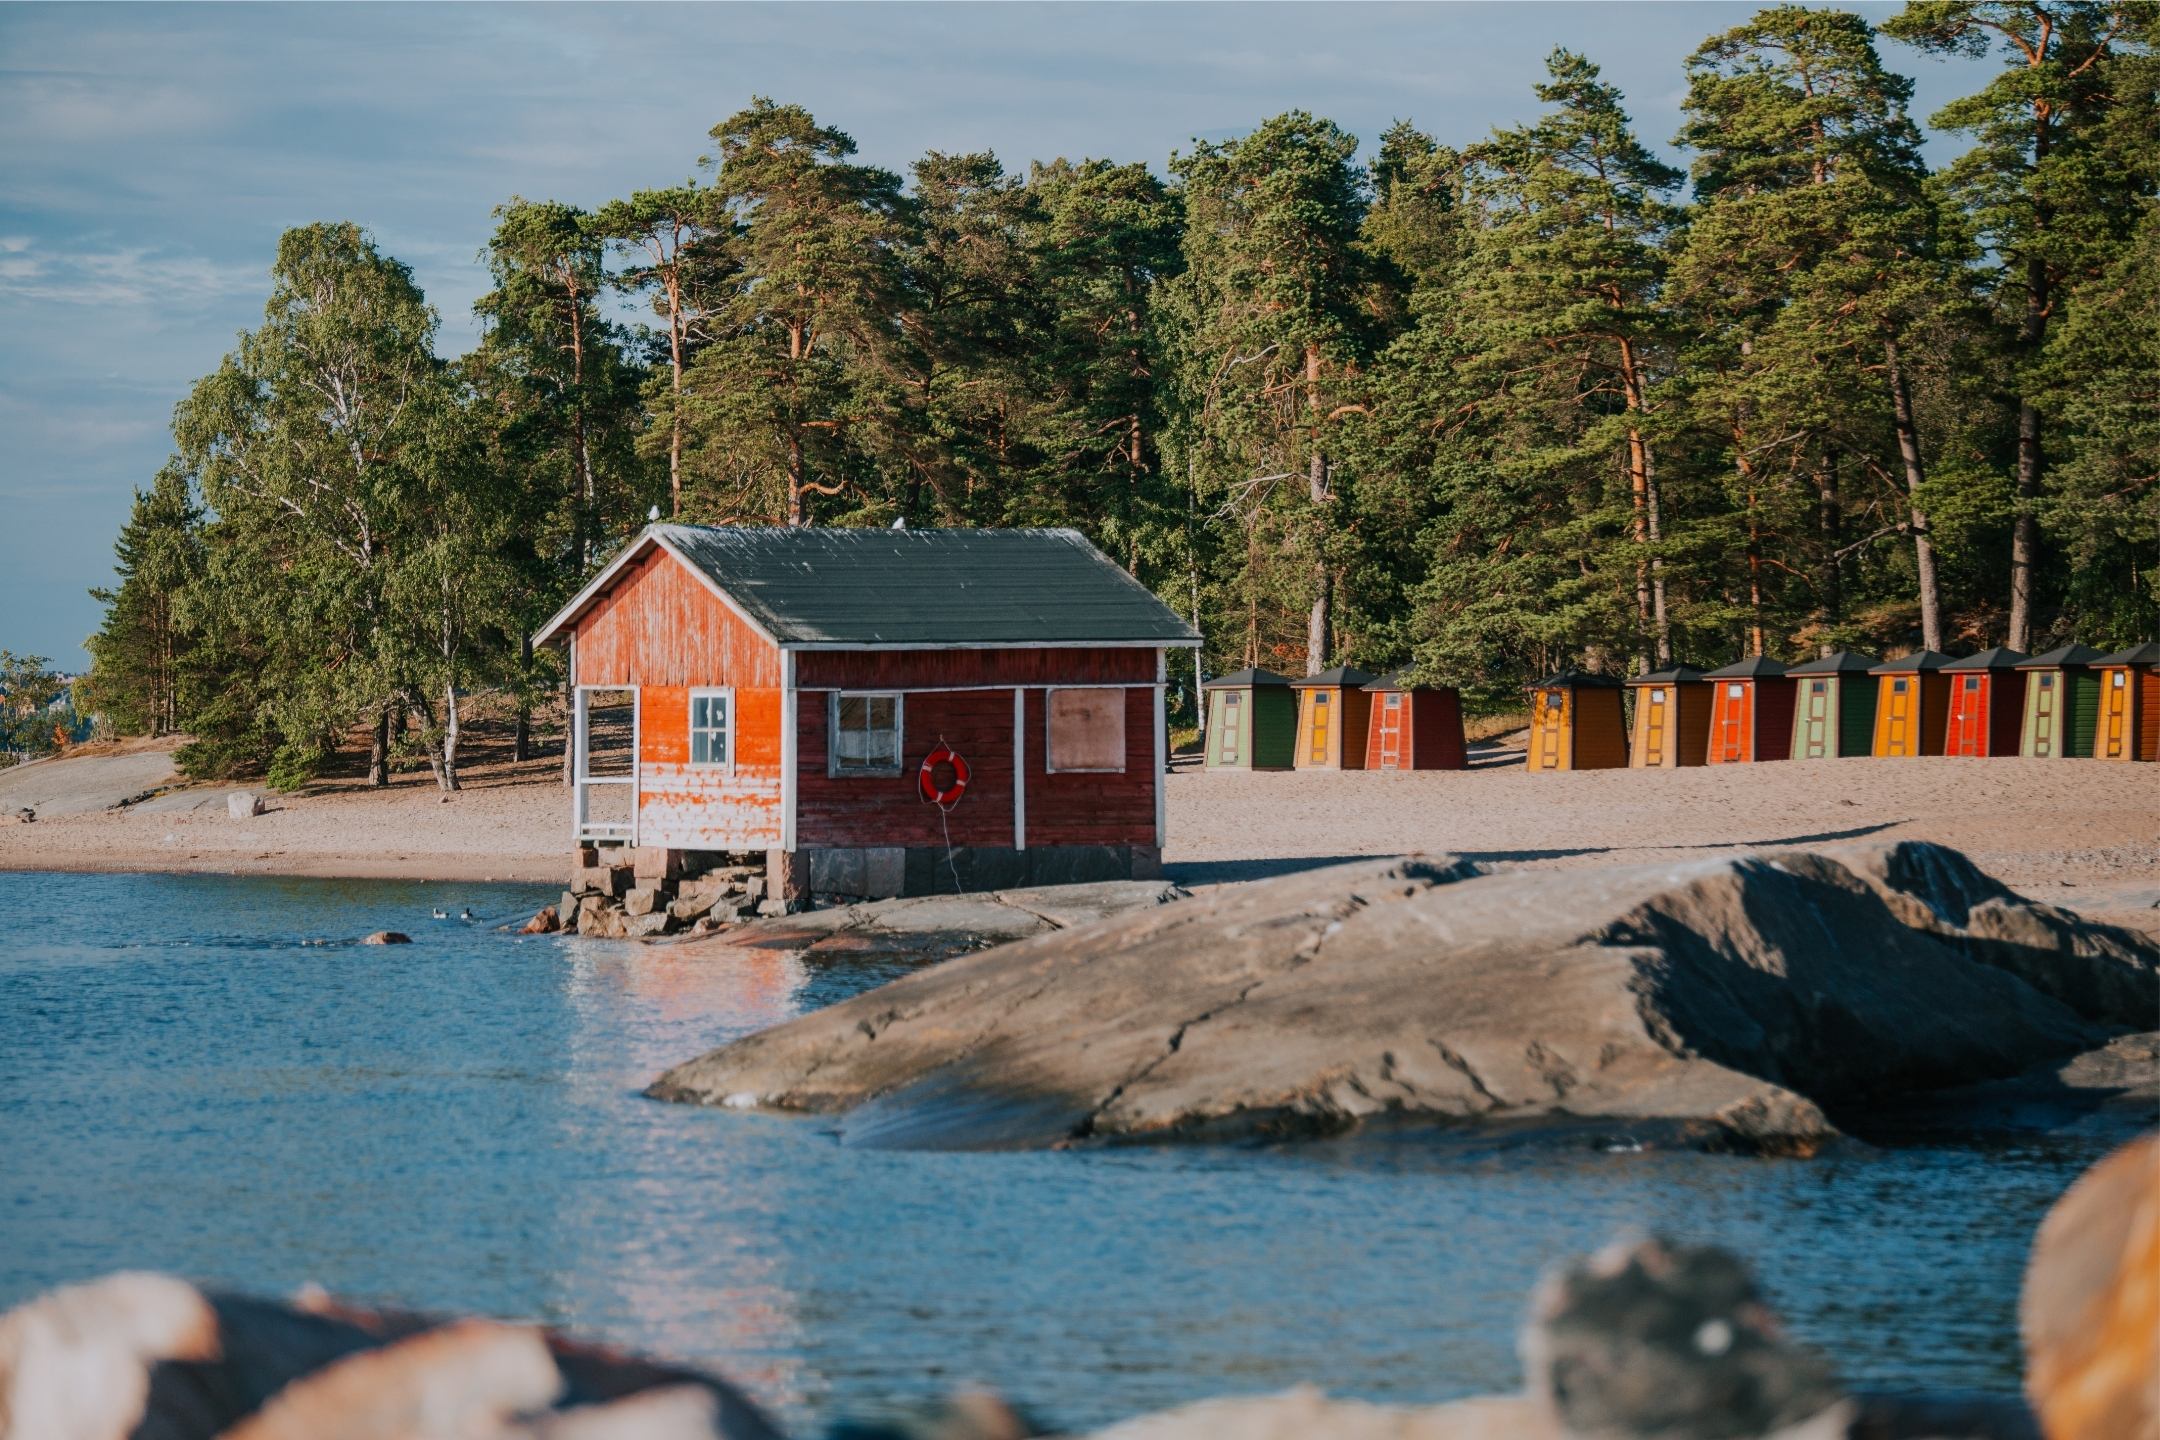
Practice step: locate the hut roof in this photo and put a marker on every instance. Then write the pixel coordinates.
(809, 587)
(1843, 662)
(1347, 677)
(2062, 656)
(2146, 654)
(1574, 680)
(1914, 663)
(1393, 681)
(1755, 667)
(1246, 679)
(2001, 657)
(1671, 675)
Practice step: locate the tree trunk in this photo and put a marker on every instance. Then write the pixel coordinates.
(1660, 623)
(2025, 529)
(1320, 624)
(1830, 521)
(675, 362)
(378, 770)
(448, 773)
(1908, 438)
(795, 515)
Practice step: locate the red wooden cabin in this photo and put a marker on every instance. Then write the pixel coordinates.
(783, 690)
(1414, 727)
(1751, 712)
(1987, 703)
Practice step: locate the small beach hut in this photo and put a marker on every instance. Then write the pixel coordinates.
(1987, 703)
(1833, 706)
(1251, 721)
(1333, 716)
(1414, 727)
(2062, 698)
(1912, 704)
(2128, 725)
(1672, 718)
(1576, 724)
(1751, 712)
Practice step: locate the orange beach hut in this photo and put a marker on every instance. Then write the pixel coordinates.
(1672, 718)
(1576, 723)
(1332, 719)
(1414, 727)
(1911, 704)
(1751, 712)
(2129, 724)
(1987, 703)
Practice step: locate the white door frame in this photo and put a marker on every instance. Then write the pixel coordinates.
(582, 826)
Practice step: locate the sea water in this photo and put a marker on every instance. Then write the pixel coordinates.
(192, 1081)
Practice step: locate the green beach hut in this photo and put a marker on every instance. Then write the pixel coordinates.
(1252, 721)
(2062, 700)
(1833, 707)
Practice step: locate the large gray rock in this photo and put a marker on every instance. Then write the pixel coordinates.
(1746, 1002)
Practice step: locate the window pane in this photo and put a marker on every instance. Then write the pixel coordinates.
(854, 712)
(1087, 730)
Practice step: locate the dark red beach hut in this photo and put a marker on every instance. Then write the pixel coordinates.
(1987, 703)
(1414, 727)
(1751, 712)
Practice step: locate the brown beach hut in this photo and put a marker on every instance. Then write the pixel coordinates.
(1751, 712)
(2062, 699)
(1833, 706)
(1987, 703)
(2128, 726)
(1672, 718)
(1333, 711)
(1576, 724)
(1414, 727)
(1251, 721)
(1912, 704)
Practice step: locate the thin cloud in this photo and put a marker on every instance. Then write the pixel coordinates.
(127, 275)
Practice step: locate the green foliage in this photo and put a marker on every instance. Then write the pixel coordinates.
(1481, 409)
(28, 688)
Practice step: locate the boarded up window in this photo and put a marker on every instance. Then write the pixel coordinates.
(1087, 730)
(865, 735)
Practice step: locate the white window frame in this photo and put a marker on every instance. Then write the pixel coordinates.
(726, 694)
(833, 768)
(1050, 751)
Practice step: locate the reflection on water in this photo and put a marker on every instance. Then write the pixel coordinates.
(456, 1124)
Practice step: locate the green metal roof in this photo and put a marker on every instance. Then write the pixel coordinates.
(1914, 663)
(814, 587)
(2062, 657)
(2146, 654)
(1345, 676)
(1671, 675)
(1755, 667)
(2001, 657)
(1247, 679)
(1841, 662)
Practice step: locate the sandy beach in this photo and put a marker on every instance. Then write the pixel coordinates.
(2080, 833)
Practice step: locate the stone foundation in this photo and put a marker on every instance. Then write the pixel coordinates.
(883, 871)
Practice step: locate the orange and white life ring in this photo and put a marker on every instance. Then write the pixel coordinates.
(926, 779)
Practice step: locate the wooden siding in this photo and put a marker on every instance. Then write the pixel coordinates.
(1067, 809)
(1754, 725)
(1684, 737)
(1349, 715)
(1985, 720)
(659, 629)
(902, 669)
(1582, 729)
(1436, 730)
(1911, 720)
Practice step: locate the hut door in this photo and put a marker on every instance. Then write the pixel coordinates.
(1391, 732)
(2044, 719)
(1229, 722)
(1968, 720)
(2113, 740)
(1548, 730)
(1815, 720)
(1898, 723)
(1655, 712)
(1733, 723)
(604, 763)
(1316, 752)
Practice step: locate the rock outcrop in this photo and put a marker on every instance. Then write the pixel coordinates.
(150, 1357)
(1761, 1002)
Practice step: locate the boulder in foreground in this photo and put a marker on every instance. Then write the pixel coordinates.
(1758, 1003)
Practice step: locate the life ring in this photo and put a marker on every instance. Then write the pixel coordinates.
(926, 779)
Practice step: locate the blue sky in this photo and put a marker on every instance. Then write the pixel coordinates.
(150, 156)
